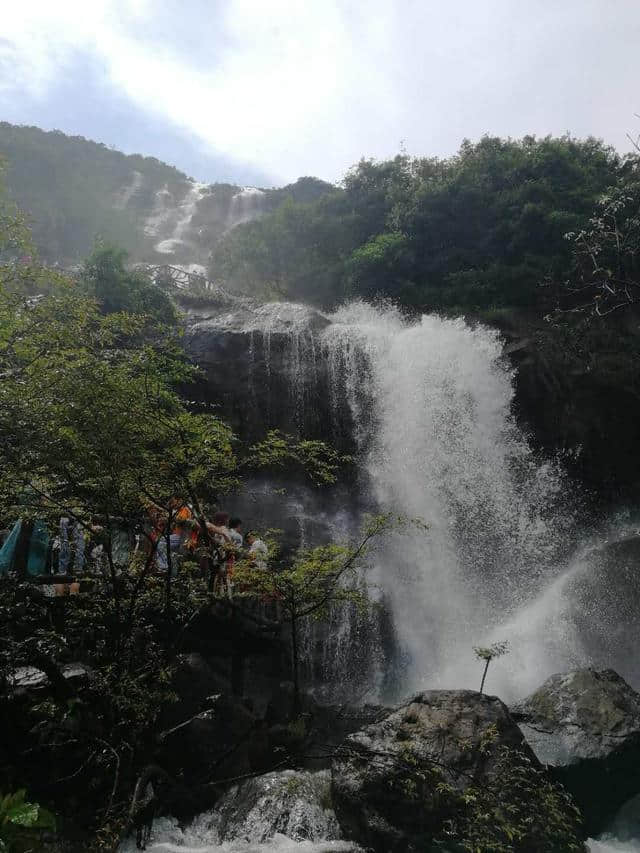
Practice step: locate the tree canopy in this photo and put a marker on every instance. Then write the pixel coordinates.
(479, 230)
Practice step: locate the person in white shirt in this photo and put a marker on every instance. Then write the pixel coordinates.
(258, 551)
(235, 532)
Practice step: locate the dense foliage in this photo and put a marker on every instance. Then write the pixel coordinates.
(480, 230)
(93, 428)
(116, 288)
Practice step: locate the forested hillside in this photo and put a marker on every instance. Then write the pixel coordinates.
(73, 189)
(539, 237)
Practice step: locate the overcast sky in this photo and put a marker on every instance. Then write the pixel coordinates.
(262, 91)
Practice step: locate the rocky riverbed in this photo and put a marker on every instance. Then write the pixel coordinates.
(407, 776)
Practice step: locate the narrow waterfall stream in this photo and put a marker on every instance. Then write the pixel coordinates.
(187, 208)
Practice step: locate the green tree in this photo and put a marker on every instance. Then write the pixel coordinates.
(487, 654)
(106, 278)
(317, 580)
(605, 276)
(93, 427)
(480, 230)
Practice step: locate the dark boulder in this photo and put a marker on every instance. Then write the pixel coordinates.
(194, 682)
(211, 746)
(329, 725)
(431, 771)
(586, 726)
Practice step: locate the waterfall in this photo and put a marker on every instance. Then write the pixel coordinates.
(428, 404)
(245, 206)
(426, 407)
(179, 238)
(431, 403)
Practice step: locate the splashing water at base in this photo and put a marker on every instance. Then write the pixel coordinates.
(169, 838)
(612, 845)
(284, 812)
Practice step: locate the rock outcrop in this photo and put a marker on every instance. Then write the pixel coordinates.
(586, 726)
(291, 803)
(262, 365)
(431, 771)
(194, 683)
(211, 746)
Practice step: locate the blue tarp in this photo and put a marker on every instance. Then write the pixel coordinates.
(38, 549)
(8, 550)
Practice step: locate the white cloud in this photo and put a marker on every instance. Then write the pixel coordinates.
(307, 86)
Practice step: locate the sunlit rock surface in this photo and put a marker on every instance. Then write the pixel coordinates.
(439, 733)
(586, 725)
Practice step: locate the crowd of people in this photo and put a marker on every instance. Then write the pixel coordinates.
(170, 535)
(218, 549)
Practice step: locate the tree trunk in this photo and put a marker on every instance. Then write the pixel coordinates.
(484, 674)
(295, 666)
(167, 536)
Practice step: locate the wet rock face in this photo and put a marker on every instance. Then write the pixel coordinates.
(455, 738)
(586, 725)
(263, 366)
(214, 744)
(291, 803)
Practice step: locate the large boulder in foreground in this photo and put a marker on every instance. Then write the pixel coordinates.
(451, 768)
(586, 726)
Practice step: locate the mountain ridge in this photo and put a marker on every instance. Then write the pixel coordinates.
(75, 190)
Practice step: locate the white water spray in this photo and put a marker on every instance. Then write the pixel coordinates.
(246, 205)
(185, 214)
(431, 404)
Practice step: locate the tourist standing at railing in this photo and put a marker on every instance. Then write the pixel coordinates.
(223, 558)
(258, 551)
(235, 531)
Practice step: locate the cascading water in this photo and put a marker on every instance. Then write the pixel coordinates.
(285, 812)
(431, 403)
(178, 238)
(246, 205)
(426, 406)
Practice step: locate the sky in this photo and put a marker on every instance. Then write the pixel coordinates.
(263, 91)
